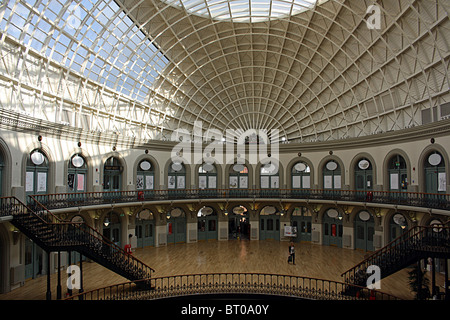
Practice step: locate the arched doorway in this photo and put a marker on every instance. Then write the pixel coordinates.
(364, 230)
(207, 180)
(300, 178)
(332, 228)
(112, 227)
(239, 224)
(36, 178)
(144, 229)
(332, 176)
(77, 174)
(435, 177)
(398, 225)
(112, 174)
(363, 176)
(269, 223)
(207, 222)
(145, 177)
(176, 179)
(176, 226)
(301, 219)
(398, 175)
(238, 180)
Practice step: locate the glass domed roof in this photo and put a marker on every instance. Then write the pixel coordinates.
(245, 10)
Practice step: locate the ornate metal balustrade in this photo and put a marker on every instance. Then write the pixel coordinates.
(235, 283)
(415, 199)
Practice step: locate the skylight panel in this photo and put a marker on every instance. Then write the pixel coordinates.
(97, 31)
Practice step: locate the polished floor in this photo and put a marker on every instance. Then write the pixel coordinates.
(227, 256)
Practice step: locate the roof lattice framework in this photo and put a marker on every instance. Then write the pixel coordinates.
(312, 69)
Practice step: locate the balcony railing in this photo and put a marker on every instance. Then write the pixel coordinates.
(234, 283)
(415, 199)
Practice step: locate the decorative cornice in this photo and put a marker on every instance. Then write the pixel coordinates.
(14, 121)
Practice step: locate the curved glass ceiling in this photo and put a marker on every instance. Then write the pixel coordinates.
(245, 10)
(93, 38)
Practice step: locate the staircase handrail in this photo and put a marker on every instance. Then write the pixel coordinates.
(93, 233)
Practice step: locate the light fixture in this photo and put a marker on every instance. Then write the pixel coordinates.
(106, 222)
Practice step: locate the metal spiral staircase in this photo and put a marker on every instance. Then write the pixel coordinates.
(420, 242)
(54, 235)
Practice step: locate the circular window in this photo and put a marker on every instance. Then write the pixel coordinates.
(364, 215)
(434, 159)
(176, 166)
(146, 165)
(77, 161)
(363, 164)
(37, 158)
(300, 166)
(332, 213)
(331, 166)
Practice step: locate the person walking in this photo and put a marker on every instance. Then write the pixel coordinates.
(291, 253)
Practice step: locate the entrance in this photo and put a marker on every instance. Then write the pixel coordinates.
(144, 229)
(176, 226)
(301, 219)
(239, 224)
(397, 226)
(34, 260)
(269, 224)
(207, 224)
(332, 228)
(364, 231)
(111, 228)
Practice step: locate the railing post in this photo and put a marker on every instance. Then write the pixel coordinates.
(49, 291)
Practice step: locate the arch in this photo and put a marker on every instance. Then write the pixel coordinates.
(187, 174)
(123, 173)
(364, 229)
(392, 228)
(321, 166)
(250, 175)
(34, 184)
(156, 170)
(352, 168)
(386, 163)
(90, 167)
(208, 183)
(280, 173)
(6, 170)
(290, 166)
(423, 158)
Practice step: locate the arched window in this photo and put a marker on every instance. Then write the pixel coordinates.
(363, 175)
(176, 178)
(36, 180)
(435, 178)
(145, 176)
(1, 174)
(332, 175)
(301, 176)
(238, 176)
(207, 176)
(269, 176)
(398, 176)
(112, 174)
(77, 173)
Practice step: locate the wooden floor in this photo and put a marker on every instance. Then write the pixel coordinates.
(227, 256)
